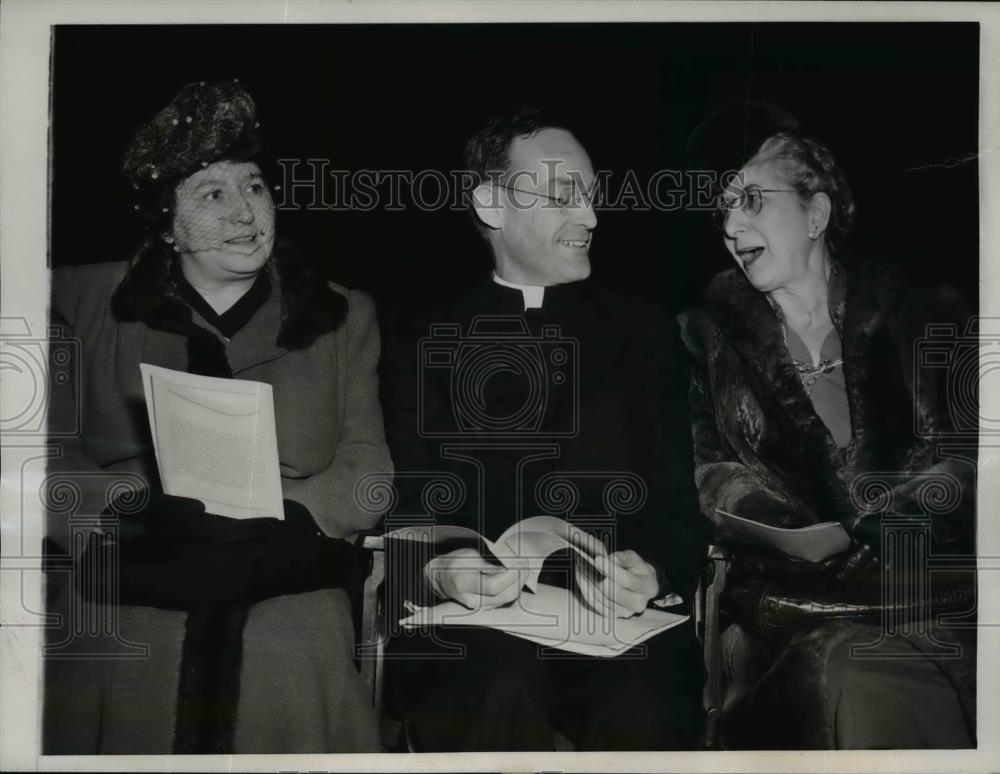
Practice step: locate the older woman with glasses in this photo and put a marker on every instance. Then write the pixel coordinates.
(805, 400)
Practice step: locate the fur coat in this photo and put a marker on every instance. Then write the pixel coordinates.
(762, 452)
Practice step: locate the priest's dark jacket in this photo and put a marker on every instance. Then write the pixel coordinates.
(578, 409)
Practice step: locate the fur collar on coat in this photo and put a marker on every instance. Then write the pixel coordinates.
(758, 436)
(309, 307)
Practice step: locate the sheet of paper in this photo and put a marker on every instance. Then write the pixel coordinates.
(434, 533)
(554, 617)
(813, 543)
(215, 441)
(528, 543)
(524, 546)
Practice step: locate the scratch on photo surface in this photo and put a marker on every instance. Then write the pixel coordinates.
(12, 649)
(950, 163)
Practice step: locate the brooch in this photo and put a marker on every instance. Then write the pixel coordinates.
(809, 373)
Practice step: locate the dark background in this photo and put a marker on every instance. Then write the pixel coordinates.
(897, 103)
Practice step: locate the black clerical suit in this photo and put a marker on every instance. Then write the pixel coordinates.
(590, 388)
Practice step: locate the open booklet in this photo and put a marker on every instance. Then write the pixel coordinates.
(548, 615)
(215, 441)
(554, 617)
(813, 543)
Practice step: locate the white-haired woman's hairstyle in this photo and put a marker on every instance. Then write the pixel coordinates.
(809, 167)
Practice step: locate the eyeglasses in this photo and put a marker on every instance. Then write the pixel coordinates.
(579, 198)
(750, 200)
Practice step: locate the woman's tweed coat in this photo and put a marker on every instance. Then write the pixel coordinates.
(299, 690)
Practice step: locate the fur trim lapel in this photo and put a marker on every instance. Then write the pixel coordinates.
(881, 404)
(867, 352)
(753, 329)
(309, 307)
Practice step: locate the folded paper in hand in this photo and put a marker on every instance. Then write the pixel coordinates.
(524, 546)
(547, 615)
(215, 441)
(813, 543)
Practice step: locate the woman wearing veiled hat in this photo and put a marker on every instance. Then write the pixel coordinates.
(248, 627)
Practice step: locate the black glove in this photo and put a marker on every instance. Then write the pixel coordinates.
(173, 555)
(176, 517)
(858, 565)
(868, 532)
(140, 511)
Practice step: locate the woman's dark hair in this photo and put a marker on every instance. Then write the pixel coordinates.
(155, 206)
(809, 167)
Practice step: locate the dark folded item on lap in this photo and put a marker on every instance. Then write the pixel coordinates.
(174, 556)
(179, 575)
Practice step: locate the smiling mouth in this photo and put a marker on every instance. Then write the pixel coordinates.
(749, 254)
(244, 245)
(242, 240)
(578, 244)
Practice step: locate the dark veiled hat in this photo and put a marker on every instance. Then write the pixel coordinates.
(204, 123)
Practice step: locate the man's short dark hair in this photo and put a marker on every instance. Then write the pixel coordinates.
(487, 152)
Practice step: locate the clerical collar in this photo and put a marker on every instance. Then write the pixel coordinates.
(533, 294)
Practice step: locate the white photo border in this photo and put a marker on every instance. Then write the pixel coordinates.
(25, 41)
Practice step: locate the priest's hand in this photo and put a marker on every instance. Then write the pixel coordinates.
(467, 578)
(629, 582)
